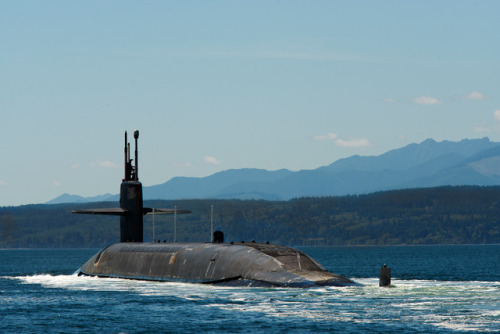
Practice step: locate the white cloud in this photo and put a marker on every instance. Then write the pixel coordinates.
(328, 136)
(211, 160)
(426, 100)
(75, 166)
(481, 128)
(475, 96)
(3, 183)
(389, 100)
(57, 183)
(496, 114)
(104, 164)
(361, 142)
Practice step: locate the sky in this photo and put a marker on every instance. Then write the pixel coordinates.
(218, 85)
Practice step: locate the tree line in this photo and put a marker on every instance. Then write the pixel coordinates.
(442, 215)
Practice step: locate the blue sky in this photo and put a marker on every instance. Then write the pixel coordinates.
(215, 85)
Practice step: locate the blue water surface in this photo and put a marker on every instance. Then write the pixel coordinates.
(435, 289)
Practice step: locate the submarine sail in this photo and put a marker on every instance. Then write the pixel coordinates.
(131, 210)
(236, 264)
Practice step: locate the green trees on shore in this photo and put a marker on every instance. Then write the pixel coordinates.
(444, 215)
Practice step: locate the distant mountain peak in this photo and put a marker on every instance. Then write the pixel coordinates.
(427, 141)
(68, 198)
(430, 163)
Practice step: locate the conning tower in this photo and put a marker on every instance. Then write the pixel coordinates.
(131, 210)
(131, 224)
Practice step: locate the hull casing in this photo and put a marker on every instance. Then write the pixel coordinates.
(249, 264)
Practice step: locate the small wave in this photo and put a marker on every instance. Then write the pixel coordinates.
(449, 305)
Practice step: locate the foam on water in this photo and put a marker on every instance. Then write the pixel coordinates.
(421, 304)
(433, 292)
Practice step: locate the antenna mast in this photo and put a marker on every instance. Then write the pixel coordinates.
(131, 172)
(136, 174)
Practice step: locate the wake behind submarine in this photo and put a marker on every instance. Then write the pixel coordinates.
(232, 264)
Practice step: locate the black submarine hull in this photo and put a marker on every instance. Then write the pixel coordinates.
(249, 264)
(238, 264)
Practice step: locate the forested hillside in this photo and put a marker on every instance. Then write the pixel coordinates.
(443, 215)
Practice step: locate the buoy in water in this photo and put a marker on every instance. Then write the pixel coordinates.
(385, 276)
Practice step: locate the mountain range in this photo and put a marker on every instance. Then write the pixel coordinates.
(428, 164)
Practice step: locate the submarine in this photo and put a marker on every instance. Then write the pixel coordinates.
(216, 262)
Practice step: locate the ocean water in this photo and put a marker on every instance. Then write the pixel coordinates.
(435, 289)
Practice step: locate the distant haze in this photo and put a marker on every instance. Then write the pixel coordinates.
(428, 164)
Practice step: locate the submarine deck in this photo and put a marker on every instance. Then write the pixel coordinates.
(230, 264)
